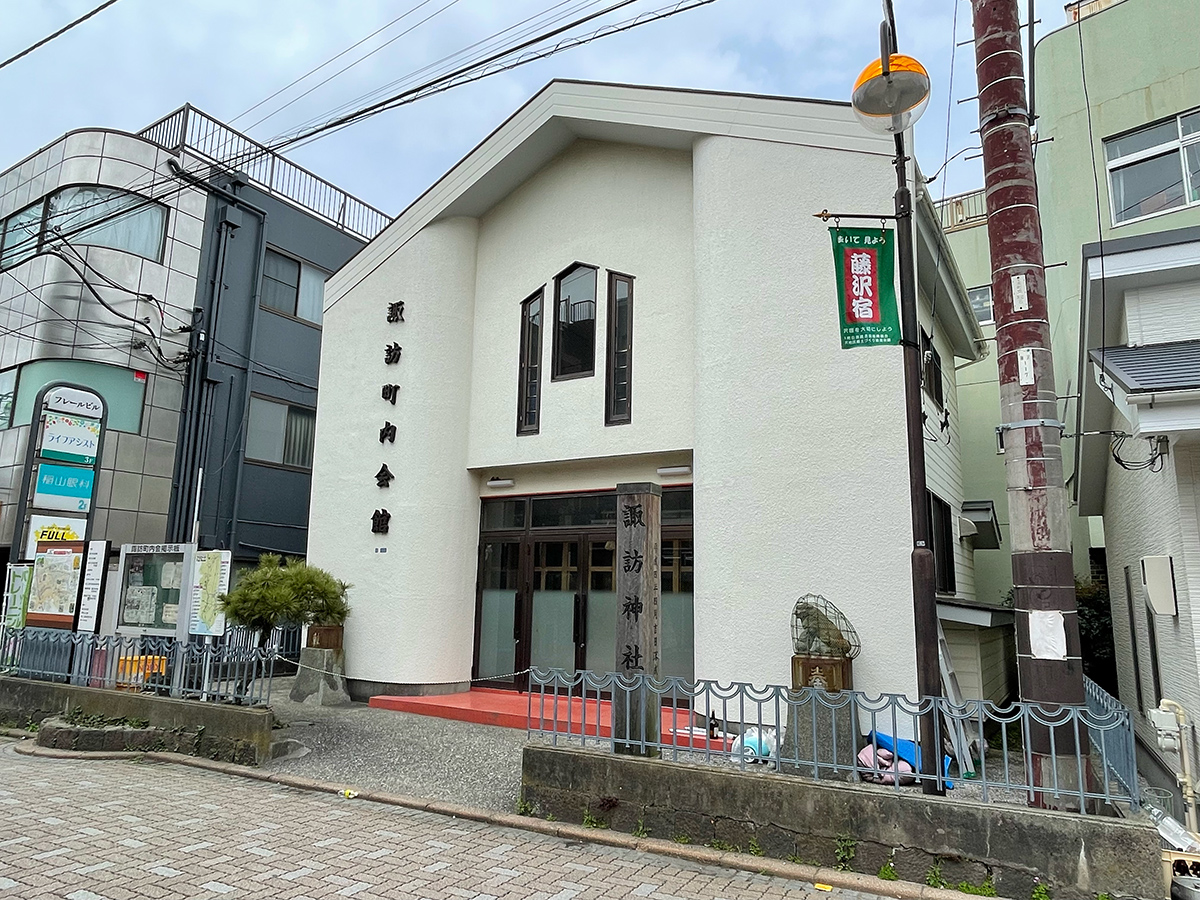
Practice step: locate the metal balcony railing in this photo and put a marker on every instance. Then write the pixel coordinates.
(963, 210)
(221, 145)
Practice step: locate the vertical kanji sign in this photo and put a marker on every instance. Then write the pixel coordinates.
(863, 264)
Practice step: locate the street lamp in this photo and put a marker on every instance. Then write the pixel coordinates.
(889, 96)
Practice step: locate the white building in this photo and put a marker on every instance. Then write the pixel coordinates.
(628, 284)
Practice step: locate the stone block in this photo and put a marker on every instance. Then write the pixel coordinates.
(321, 678)
(820, 731)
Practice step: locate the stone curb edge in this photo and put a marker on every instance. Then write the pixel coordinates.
(762, 865)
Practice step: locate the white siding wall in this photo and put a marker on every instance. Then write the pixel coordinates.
(801, 463)
(963, 641)
(1154, 513)
(943, 457)
(1162, 313)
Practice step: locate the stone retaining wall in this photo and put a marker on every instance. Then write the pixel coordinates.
(215, 730)
(816, 822)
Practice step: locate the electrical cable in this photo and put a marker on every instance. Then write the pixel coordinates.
(440, 66)
(103, 6)
(336, 56)
(386, 43)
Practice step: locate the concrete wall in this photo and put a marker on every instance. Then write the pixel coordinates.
(23, 701)
(1075, 856)
(801, 467)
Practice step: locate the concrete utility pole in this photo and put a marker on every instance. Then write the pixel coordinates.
(1048, 652)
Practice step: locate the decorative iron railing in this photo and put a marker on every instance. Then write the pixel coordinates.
(1069, 757)
(217, 143)
(139, 663)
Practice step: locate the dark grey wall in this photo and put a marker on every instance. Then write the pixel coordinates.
(249, 507)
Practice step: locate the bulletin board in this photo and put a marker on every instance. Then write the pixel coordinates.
(156, 588)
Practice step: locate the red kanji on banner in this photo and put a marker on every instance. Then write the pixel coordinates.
(861, 284)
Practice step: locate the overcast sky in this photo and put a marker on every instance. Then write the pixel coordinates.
(140, 59)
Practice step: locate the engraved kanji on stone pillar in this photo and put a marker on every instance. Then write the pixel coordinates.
(636, 713)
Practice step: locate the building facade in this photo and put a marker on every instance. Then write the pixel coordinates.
(626, 284)
(1118, 165)
(179, 274)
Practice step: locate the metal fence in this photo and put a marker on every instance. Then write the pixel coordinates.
(1070, 757)
(218, 143)
(139, 663)
(284, 642)
(963, 210)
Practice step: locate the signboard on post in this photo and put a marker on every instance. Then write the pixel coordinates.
(211, 581)
(16, 594)
(864, 268)
(43, 529)
(156, 589)
(91, 591)
(70, 439)
(63, 487)
(54, 594)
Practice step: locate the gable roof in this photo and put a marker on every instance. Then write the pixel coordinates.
(565, 111)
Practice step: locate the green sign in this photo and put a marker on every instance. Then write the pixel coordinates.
(863, 264)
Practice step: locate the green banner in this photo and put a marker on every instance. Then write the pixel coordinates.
(863, 265)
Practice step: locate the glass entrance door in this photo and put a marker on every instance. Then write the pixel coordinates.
(499, 628)
(556, 626)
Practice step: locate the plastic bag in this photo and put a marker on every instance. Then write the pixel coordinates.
(756, 745)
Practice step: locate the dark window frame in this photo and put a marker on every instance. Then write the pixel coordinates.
(43, 220)
(611, 417)
(294, 315)
(523, 366)
(555, 362)
(254, 460)
(941, 540)
(932, 380)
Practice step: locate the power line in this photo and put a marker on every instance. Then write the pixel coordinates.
(316, 69)
(61, 31)
(386, 43)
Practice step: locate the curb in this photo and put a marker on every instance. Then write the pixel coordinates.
(760, 865)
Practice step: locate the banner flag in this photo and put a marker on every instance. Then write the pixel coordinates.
(864, 267)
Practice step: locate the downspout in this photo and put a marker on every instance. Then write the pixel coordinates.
(205, 399)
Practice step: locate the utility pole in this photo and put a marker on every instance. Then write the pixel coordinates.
(1049, 667)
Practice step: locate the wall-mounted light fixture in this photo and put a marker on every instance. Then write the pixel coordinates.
(497, 482)
(672, 471)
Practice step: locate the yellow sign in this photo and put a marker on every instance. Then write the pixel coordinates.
(53, 528)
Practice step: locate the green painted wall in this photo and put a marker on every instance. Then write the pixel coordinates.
(1142, 65)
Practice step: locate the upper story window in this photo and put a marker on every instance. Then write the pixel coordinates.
(941, 534)
(574, 323)
(293, 287)
(931, 370)
(91, 215)
(1154, 169)
(981, 302)
(281, 434)
(529, 387)
(617, 404)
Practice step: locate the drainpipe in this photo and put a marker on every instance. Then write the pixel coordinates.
(204, 399)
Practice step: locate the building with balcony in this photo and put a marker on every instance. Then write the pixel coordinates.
(178, 273)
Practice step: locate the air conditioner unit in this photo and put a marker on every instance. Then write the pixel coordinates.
(1158, 583)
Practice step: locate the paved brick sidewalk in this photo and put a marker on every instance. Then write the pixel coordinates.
(86, 830)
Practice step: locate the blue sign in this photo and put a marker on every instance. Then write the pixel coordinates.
(63, 487)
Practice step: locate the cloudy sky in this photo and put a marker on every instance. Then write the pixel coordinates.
(140, 59)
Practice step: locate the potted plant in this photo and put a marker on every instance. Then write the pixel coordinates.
(275, 594)
(323, 601)
(263, 600)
